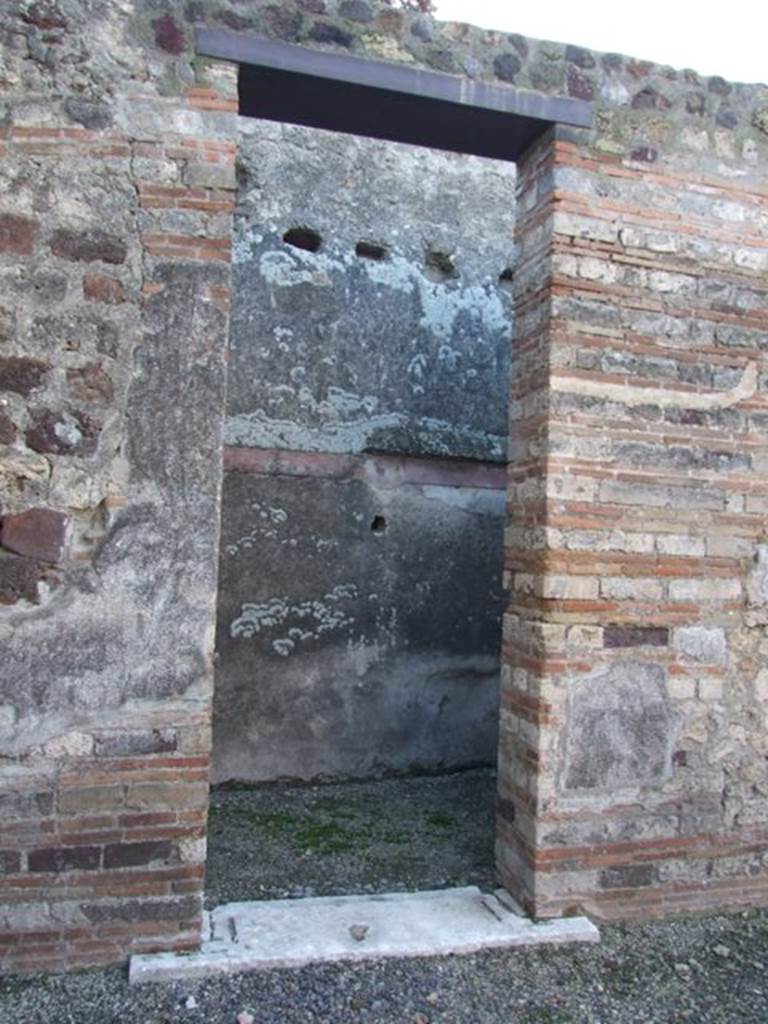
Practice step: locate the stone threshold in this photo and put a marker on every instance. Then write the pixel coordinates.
(293, 933)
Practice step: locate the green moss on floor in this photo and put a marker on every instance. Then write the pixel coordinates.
(441, 820)
(327, 827)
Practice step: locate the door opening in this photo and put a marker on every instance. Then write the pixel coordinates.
(363, 513)
(366, 430)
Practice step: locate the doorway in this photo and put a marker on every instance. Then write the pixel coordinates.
(292, 85)
(362, 532)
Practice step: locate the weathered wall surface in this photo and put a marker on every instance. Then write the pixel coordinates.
(634, 706)
(638, 619)
(369, 640)
(115, 222)
(394, 335)
(360, 599)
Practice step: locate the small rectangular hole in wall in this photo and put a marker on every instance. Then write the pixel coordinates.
(303, 238)
(371, 251)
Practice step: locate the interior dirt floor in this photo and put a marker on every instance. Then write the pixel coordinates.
(387, 835)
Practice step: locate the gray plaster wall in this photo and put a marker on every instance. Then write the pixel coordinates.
(359, 612)
(331, 351)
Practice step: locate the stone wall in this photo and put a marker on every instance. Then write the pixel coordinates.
(115, 225)
(636, 546)
(634, 718)
(349, 641)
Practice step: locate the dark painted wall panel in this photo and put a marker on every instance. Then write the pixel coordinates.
(358, 627)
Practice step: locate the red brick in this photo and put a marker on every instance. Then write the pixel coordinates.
(56, 859)
(38, 533)
(94, 836)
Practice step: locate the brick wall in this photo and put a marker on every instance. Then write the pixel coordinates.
(633, 745)
(115, 224)
(633, 714)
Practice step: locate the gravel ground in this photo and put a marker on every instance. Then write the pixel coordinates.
(415, 833)
(663, 972)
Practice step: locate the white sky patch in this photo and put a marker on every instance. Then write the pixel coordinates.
(713, 39)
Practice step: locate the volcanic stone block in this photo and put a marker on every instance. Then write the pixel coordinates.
(17, 234)
(620, 730)
(103, 288)
(19, 578)
(61, 433)
(56, 859)
(90, 383)
(21, 374)
(88, 246)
